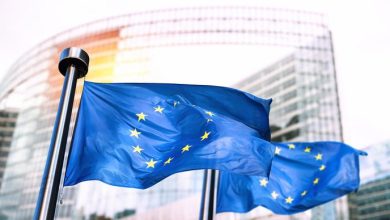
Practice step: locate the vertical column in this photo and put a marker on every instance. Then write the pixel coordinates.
(209, 195)
(73, 65)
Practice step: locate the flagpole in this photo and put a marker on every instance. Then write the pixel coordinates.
(209, 195)
(73, 65)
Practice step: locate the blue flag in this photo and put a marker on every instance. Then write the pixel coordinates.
(303, 175)
(134, 135)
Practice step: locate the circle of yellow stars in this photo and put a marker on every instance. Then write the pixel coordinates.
(289, 199)
(141, 116)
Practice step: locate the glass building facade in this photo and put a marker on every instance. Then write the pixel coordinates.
(124, 48)
(372, 200)
(7, 126)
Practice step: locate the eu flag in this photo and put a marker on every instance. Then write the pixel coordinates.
(136, 134)
(303, 175)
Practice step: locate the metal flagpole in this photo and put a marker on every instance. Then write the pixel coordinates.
(73, 65)
(209, 195)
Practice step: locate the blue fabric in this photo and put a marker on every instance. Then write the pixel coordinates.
(106, 147)
(293, 185)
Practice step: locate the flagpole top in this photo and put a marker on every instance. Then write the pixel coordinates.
(74, 56)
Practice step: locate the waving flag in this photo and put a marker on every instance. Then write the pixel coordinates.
(135, 135)
(303, 175)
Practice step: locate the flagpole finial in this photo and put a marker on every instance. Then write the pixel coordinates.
(74, 56)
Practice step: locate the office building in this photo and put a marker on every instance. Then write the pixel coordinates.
(7, 125)
(372, 200)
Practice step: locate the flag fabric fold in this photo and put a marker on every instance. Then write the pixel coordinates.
(303, 175)
(136, 134)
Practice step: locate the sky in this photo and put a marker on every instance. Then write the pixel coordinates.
(361, 34)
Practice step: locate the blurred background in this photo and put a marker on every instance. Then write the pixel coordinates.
(324, 64)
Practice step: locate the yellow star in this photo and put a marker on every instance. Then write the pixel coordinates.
(318, 157)
(158, 109)
(205, 136)
(210, 113)
(263, 182)
(316, 180)
(168, 161)
(307, 149)
(278, 150)
(137, 149)
(151, 163)
(186, 148)
(289, 200)
(322, 167)
(304, 193)
(274, 195)
(291, 146)
(134, 133)
(141, 116)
